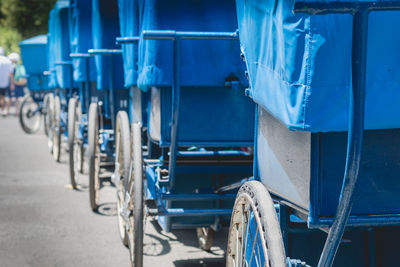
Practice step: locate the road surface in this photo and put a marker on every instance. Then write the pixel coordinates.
(45, 223)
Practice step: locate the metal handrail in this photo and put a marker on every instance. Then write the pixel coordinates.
(94, 52)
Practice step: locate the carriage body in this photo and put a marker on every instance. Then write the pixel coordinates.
(109, 65)
(84, 70)
(81, 39)
(215, 117)
(300, 71)
(303, 108)
(306, 169)
(59, 47)
(129, 21)
(60, 71)
(211, 76)
(32, 49)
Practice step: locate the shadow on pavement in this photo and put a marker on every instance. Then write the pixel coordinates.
(189, 239)
(155, 246)
(107, 209)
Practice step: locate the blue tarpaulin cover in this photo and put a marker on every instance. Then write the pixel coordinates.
(345, 1)
(34, 58)
(300, 65)
(105, 28)
(203, 62)
(81, 39)
(129, 26)
(59, 49)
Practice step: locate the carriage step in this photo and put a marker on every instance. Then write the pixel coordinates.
(177, 212)
(197, 197)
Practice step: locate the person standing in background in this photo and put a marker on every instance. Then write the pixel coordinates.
(6, 80)
(19, 81)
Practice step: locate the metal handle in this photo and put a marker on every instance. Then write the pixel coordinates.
(79, 55)
(63, 63)
(94, 52)
(127, 40)
(172, 35)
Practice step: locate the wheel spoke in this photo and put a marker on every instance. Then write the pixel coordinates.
(253, 244)
(258, 250)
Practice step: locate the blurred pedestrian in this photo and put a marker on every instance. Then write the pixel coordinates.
(19, 81)
(6, 79)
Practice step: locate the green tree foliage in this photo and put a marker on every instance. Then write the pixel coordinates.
(21, 19)
(9, 39)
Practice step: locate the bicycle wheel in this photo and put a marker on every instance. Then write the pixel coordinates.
(29, 115)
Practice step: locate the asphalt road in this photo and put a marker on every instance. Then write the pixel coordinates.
(45, 223)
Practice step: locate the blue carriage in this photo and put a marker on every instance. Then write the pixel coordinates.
(84, 75)
(136, 112)
(60, 74)
(34, 57)
(33, 49)
(191, 151)
(307, 72)
(110, 81)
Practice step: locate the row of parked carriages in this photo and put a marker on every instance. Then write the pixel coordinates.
(207, 114)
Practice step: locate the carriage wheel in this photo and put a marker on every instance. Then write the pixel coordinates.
(122, 164)
(57, 129)
(74, 144)
(94, 157)
(135, 227)
(29, 115)
(205, 237)
(48, 119)
(254, 234)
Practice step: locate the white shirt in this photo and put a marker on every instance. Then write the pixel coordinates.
(5, 70)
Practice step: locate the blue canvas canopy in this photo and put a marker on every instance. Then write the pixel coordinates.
(105, 29)
(59, 46)
(300, 65)
(81, 38)
(34, 57)
(129, 26)
(198, 57)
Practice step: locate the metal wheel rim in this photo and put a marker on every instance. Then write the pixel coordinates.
(77, 159)
(131, 231)
(33, 122)
(56, 132)
(47, 116)
(77, 147)
(97, 169)
(120, 201)
(120, 186)
(249, 216)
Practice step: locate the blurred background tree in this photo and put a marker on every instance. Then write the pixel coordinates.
(21, 19)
